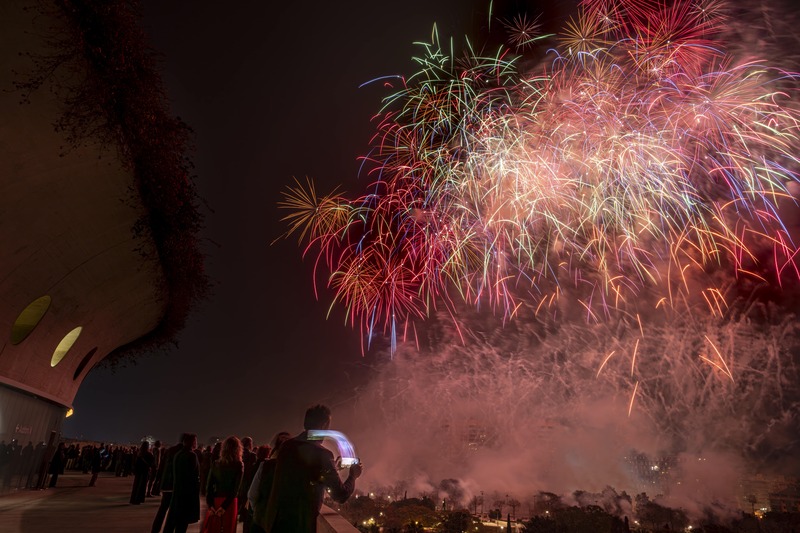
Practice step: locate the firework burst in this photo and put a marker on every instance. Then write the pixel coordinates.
(522, 31)
(639, 157)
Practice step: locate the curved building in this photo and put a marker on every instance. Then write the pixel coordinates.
(98, 222)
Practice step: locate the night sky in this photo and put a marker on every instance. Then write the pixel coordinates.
(274, 94)
(271, 93)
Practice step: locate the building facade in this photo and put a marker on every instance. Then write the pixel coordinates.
(91, 250)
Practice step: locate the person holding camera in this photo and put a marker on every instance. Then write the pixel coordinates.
(304, 470)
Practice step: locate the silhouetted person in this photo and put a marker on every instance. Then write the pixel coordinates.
(151, 480)
(185, 506)
(70, 457)
(96, 464)
(249, 461)
(39, 469)
(4, 459)
(222, 489)
(205, 467)
(128, 458)
(14, 456)
(166, 476)
(116, 461)
(304, 470)
(142, 467)
(260, 488)
(57, 464)
(83, 462)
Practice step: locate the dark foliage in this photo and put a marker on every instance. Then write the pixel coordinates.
(591, 519)
(541, 524)
(456, 522)
(105, 73)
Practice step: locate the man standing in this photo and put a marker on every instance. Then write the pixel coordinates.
(96, 461)
(249, 462)
(57, 464)
(185, 506)
(165, 479)
(151, 481)
(303, 471)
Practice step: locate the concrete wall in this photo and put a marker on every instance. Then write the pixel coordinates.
(25, 419)
(66, 221)
(330, 521)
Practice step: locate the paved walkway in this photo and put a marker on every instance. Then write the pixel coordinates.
(74, 507)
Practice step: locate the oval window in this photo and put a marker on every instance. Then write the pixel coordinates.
(84, 362)
(28, 319)
(64, 346)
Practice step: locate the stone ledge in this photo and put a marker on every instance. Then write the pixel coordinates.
(330, 521)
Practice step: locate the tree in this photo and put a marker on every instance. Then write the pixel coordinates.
(453, 491)
(541, 524)
(657, 516)
(398, 490)
(749, 523)
(474, 502)
(589, 519)
(499, 503)
(546, 502)
(456, 522)
(409, 515)
(360, 509)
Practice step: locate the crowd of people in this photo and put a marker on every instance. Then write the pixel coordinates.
(20, 465)
(275, 488)
(30, 466)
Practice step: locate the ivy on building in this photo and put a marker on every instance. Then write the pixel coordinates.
(106, 74)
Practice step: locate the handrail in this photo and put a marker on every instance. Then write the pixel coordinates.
(329, 521)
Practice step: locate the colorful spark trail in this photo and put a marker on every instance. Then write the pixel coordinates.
(639, 158)
(522, 408)
(592, 255)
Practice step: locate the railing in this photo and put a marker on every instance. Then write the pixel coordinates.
(330, 521)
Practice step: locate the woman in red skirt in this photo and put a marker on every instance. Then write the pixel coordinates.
(223, 486)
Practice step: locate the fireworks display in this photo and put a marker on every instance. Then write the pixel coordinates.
(524, 408)
(606, 218)
(637, 154)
